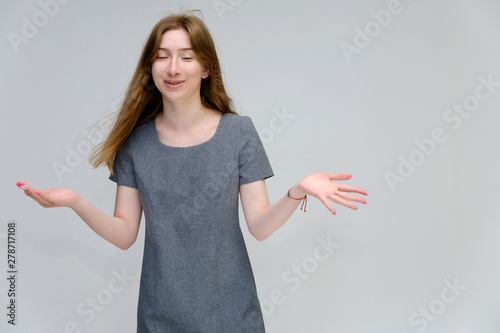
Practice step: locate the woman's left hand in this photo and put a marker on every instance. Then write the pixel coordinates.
(320, 185)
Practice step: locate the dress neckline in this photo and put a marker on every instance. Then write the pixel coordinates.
(157, 138)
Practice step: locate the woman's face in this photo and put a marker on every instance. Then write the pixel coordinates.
(177, 71)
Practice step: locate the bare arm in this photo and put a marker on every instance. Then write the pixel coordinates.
(121, 229)
(264, 219)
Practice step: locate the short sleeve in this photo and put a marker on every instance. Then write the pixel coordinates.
(123, 167)
(253, 162)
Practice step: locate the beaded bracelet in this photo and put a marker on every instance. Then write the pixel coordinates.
(304, 202)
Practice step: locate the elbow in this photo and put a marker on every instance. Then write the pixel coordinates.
(125, 245)
(125, 240)
(260, 236)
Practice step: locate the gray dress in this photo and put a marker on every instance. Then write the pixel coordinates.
(196, 274)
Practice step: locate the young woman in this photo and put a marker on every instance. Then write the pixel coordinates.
(180, 152)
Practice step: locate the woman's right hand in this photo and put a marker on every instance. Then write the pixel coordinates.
(54, 197)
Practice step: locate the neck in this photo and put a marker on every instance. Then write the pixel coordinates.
(180, 116)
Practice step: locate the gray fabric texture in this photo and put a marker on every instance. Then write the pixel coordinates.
(196, 275)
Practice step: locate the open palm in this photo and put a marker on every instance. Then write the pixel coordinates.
(54, 197)
(321, 186)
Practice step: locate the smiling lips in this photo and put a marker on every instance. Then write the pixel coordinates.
(174, 84)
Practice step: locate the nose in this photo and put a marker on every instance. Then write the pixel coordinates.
(173, 67)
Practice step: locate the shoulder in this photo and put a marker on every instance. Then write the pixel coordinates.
(239, 128)
(139, 136)
(242, 131)
(238, 122)
(143, 128)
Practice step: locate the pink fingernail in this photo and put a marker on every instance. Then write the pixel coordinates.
(18, 184)
(364, 203)
(350, 176)
(26, 194)
(37, 193)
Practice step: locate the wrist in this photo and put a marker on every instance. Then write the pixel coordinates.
(77, 204)
(296, 192)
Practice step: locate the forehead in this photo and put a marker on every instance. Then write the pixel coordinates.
(175, 39)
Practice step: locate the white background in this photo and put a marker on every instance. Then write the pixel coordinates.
(359, 113)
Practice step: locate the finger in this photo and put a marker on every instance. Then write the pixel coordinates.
(28, 189)
(339, 176)
(45, 198)
(350, 188)
(329, 206)
(21, 185)
(351, 197)
(337, 199)
(25, 187)
(40, 197)
(32, 193)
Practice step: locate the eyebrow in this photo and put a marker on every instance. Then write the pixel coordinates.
(182, 49)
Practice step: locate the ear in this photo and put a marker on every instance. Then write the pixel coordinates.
(206, 73)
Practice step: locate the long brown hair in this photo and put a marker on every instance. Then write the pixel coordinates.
(143, 100)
